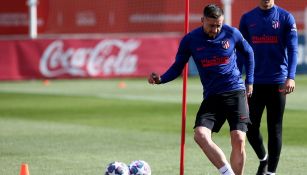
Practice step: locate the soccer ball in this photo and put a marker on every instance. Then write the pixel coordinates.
(117, 168)
(139, 167)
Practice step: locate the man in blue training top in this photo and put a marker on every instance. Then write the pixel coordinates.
(212, 47)
(272, 33)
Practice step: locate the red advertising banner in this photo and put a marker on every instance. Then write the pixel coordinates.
(121, 16)
(87, 58)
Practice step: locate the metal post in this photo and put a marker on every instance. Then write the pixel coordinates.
(305, 34)
(32, 18)
(227, 11)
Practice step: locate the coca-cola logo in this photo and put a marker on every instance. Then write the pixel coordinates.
(108, 57)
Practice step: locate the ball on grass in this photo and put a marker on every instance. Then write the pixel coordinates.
(139, 167)
(117, 168)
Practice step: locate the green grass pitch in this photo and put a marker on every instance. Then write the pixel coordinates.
(72, 127)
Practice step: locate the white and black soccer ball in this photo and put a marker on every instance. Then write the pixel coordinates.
(117, 168)
(139, 167)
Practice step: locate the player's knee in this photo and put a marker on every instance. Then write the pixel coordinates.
(201, 137)
(238, 140)
(198, 136)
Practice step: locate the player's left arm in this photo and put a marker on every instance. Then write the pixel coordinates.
(292, 51)
(247, 53)
(244, 31)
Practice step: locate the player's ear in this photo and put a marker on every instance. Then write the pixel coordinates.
(202, 19)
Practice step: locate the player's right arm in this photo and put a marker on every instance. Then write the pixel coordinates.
(182, 57)
(154, 78)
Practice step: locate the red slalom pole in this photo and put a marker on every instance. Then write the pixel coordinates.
(184, 94)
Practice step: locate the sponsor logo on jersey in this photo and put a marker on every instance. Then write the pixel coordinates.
(214, 61)
(264, 39)
(200, 48)
(252, 25)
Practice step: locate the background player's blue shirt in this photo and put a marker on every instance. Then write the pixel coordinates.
(273, 36)
(215, 60)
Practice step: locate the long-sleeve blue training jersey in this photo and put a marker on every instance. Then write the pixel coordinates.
(273, 36)
(215, 60)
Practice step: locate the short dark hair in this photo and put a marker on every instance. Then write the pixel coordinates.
(213, 11)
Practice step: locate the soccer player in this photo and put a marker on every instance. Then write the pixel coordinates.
(213, 47)
(272, 33)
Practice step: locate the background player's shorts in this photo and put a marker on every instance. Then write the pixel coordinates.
(216, 109)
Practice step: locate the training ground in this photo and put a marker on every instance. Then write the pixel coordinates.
(77, 127)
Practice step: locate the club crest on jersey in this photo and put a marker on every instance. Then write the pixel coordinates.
(275, 24)
(225, 44)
